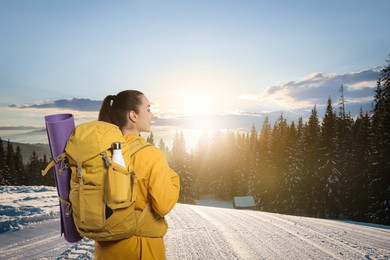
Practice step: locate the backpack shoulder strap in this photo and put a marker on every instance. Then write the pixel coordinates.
(138, 145)
(54, 161)
(141, 217)
(135, 147)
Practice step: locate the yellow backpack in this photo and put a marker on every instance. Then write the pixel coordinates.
(102, 193)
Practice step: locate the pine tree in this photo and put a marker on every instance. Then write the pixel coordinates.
(312, 185)
(33, 169)
(280, 175)
(150, 138)
(19, 168)
(356, 178)
(344, 144)
(201, 173)
(329, 174)
(165, 150)
(181, 165)
(9, 173)
(216, 165)
(240, 175)
(297, 152)
(3, 165)
(220, 170)
(212, 173)
(293, 173)
(231, 163)
(380, 165)
(252, 161)
(263, 180)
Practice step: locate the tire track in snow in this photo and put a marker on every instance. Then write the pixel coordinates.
(201, 232)
(45, 244)
(314, 239)
(241, 234)
(335, 239)
(30, 249)
(191, 236)
(360, 230)
(261, 239)
(370, 242)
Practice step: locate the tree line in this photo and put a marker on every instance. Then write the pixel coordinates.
(337, 167)
(14, 172)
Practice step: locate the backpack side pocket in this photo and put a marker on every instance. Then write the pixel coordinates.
(119, 184)
(88, 206)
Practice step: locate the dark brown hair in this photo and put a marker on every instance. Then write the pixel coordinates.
(114, 109)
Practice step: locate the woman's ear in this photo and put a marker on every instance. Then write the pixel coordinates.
(133, 116)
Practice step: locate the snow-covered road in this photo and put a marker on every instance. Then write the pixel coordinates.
(199, 232)
(202, 232)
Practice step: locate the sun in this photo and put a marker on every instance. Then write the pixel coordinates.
(196, 103)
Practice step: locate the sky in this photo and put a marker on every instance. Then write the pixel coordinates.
(189, 58)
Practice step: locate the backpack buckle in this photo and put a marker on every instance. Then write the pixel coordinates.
(63, 166)
(107, 160)
(79, 172)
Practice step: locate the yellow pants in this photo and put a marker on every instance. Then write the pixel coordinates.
(144, 248)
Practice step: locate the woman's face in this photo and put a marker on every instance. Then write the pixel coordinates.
(144, 116)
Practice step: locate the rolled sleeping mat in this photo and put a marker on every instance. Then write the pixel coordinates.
(59, 127)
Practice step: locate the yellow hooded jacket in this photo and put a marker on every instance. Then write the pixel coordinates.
(159, 185)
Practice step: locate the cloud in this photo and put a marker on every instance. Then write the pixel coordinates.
(315, 89)
(77, 104)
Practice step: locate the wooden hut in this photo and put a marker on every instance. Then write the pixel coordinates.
(246, 202)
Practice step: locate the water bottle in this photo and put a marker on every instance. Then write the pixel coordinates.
(117, 154)
(121, 181)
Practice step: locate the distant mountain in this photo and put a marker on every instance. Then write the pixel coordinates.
(80, 104)
(36, 136)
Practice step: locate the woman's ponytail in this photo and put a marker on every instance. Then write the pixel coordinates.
(106, 113)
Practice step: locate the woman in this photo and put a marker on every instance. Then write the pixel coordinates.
(158, 184)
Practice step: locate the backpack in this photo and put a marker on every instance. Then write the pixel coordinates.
(102, 193)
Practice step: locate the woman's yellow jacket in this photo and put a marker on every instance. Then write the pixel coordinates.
(159, 186)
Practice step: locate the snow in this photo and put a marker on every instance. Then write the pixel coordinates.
(30, 230)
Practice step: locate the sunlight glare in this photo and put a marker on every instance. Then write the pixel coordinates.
(196, 103)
